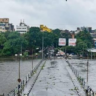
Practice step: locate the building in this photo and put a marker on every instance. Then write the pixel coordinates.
(5, 25)
(77, 31)
(2, 27)
(22, 28)
(4, 20)
(10, 27)
(44, 28)
(64, 31)
(89, 29)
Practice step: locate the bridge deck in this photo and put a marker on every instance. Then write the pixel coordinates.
(56, 79)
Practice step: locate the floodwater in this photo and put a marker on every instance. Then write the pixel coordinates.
(9, 73)
(81, 66)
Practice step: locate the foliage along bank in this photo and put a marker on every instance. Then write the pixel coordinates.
(13, 42)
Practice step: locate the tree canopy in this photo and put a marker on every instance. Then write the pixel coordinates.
(13, 42)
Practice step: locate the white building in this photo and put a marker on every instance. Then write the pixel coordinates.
(22, 28)
(77, 31)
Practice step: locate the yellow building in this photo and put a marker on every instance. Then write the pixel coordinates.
(44, 28)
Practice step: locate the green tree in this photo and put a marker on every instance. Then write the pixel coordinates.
(34, 38)
(13, 44)
(2, 39)
(85, 37)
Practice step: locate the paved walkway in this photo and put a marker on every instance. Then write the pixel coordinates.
(56, 79)
(31, 82)
(77, 85)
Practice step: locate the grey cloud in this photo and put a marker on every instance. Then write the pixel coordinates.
(53, 13)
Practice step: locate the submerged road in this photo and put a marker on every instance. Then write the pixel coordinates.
(56, 79)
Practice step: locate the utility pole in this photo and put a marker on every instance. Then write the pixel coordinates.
(91, 55)
(21, 48)
(19, 68)
(19, 78)
(42, 46)
(32, 60)
(65, 53)
(87, 68)
(83, 52)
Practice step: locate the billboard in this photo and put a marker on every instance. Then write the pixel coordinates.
(72, 42)
(62, 42)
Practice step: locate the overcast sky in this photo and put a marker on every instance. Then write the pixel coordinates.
(52, 13)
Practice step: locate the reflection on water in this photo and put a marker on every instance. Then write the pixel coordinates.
(9, 73)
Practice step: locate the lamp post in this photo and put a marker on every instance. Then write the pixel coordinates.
(83, 52)
(65, 53)
(87, 69)
(36, 54)
(91, 54)
(19, 77)
(42, 46)
(42, 43)
(32, 60)
(18, 55)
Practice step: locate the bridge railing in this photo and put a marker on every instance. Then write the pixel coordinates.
(20, 87)
(88, 90)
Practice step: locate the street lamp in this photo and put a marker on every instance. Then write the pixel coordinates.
(19, 77)
(32, 60)
(91, 54)
(36, 53)
(87, 68)
(19, 55)
(42, 43)
(90, 50)
(42, 46)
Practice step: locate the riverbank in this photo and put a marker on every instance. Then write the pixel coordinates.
(14, 58)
